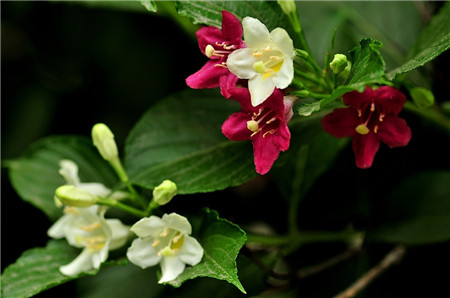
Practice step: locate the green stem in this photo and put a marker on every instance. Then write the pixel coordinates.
(124, 207)
(309, 77)
(120, 171)
(430, 114)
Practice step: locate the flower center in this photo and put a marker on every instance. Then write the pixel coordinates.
(168, 242)
(95, 240)
(269, 61)
(262, 122)
(368, 121)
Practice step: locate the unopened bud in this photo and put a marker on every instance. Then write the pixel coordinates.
(338, 64)
(422, 97)
(288, 7)
(301, 53)
(302, 93)
(75, 197)
(163, 193)
(103, 139)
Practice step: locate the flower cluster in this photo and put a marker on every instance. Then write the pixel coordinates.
(163, 240)
(263, 61)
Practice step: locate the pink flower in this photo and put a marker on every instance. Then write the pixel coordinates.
(371, 118)
(217, 44)
(265, 125)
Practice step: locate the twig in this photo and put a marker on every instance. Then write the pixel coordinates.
(394, 256)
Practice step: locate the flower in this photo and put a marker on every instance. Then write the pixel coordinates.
(103, 139)
(265, 125)
(88, 229)
(371, 118)
(217, 44)
(166, 241)
(267, 61)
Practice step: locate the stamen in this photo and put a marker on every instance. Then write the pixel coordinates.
(223, 64)
(375, 129)
(274, 58)
(257, 54)
(381, 117)
(71, 210)
(372, 107)
(271, 120)
(272, 131)
(359, 113)
(156, 243)
(91, 227)
(164, 233)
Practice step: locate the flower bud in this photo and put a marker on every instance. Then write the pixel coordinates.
(75, 197)
(422, 97)
(163, 193)
(288, 7)
(103, 139)
(338, 64)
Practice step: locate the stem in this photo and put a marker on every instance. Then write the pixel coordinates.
(124, 207)
(310, 78)
(394, 256)
(430, 114)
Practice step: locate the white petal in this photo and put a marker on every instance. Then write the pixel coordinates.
(99, 256)
(260, 89)
(177, 222)
(191, 252)
(283, 41)
(284, 76)
(142, 254)
(171, 267)
(256, 34)
(149, 227)
(69, 171)
(240, 63)
(82, 263)
(97, 189)
(57, 230)
(120, 233)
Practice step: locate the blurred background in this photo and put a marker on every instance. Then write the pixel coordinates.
(68, 65)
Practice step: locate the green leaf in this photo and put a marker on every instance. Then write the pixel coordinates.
(221, 241)
(417, 212)
(180, 139)
(35, 174)
(150, 5)
(37, 270)
(210, 13)
(433, 41)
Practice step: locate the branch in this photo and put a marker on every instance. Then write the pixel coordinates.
(393, 257)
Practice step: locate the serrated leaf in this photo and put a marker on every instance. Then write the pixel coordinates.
(221, 241)
(417, 211)
(37, 270)
(180, 139)
(150, 5)
(433, 41)
(210, 13)
(35, 174)
(307, 109)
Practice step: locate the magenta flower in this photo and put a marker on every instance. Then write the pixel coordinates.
(265, 125)
(371, 118)
(217, 44)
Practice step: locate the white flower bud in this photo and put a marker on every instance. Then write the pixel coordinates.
(163, 193)
(103, 139)
(288, 7)
(75, 197)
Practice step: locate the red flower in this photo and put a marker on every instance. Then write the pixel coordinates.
(217, 44)
(370, 119)
(265, 125)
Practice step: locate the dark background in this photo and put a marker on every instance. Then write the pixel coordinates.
(67, 66)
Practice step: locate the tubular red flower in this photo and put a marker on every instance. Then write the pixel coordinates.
(265, 125)
(217, 44)
(370, 119)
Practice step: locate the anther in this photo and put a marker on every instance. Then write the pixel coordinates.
(372, 107)
(375, 129)
(272, 131)
(380, 118)
(164, 233)
(91, 227)
(156, 243)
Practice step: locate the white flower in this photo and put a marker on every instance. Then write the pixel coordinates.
(267, 61)
(166, 241)
(88, 229)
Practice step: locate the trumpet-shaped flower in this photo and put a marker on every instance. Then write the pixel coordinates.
(217, 44)
(88, 229)
(165, 241)
(265, 125)
(267, 61)
(370, 119)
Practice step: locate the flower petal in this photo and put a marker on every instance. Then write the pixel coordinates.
(256, 34)
(207, 77)
(191, 252)
(365, 147)
(357, 99)
(281, 38)
(391, 99)
(231, 28)
(177, 222)
(119, 235)
(94, 188)
(283, 78)
(57, 230)
(149, 227)
(261, 88)
(341, 122)
(171, 267)
(82, 263)
(142, 253)
(226, 82)
(267, 149)
(235, 127)
(394, 131)
(240, 63)
(69, 171)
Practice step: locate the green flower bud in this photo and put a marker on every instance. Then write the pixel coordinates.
(288, 7)
(103, 139)
(338, 64)
(75, 197)
(302, 93)
(301, 53)
(163, 193)
(422, 97)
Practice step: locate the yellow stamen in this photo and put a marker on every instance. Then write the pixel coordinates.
(164, 233)
(156, 243)
(91, 227)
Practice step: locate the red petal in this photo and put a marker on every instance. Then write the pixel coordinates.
(365, 147)
(232, 28)
(391, 99)
(235, 127)
(356, 99)
(209, 35)
(394, 131)
(243, 96)
(341, 122)
(226, 82)
(207, 77)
